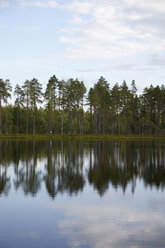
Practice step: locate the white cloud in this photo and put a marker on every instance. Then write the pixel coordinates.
(149, 5)
(82, 7)
(157, 60)
(76, 20)
(39, 3)
(101, 29)
(4, 3)
(123, 67)
(111, 29)
(111, 226)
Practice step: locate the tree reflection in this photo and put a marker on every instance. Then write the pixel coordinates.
(122, 163)
(51, 172)
(66, 166)
(5, 184)
(26, 176)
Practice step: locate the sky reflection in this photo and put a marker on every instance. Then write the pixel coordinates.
(112, 226)
(74, 194)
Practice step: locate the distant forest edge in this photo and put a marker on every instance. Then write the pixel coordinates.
(66, 108)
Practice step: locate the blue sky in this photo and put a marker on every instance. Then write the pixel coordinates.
(118, 39)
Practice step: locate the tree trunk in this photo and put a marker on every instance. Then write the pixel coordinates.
(17, 121)
(69, 122)
(99, 123)
(27, 122)
(27, 117)
(103, 125)
(0, 117)
(54, 126)
(91, 120)
(74, 123)
(6, 121)
(82, 124)
(78, 123)
(62, 124)
(95, 123)
(34, 123)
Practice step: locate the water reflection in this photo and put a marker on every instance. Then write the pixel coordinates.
(4, 178)
(96, 226)
(67, 166)
(64, 168)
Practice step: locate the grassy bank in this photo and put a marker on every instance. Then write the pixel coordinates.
(81, 137)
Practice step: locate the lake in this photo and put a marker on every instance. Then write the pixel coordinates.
(96, 194)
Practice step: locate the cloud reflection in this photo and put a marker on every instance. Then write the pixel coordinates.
(111, 226)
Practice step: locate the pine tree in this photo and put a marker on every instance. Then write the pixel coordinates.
(26, 93)
(50, 97)
(35, 97)
(18, 103)
(2, 95)
(7, 94)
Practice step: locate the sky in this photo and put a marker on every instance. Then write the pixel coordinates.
(117, 39)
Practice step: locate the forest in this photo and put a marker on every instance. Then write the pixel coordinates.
(66, 107)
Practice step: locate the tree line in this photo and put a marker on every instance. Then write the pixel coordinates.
(66, 107)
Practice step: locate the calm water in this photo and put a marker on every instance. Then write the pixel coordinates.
(98, 194)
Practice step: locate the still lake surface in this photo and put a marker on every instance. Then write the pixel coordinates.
(96, 194)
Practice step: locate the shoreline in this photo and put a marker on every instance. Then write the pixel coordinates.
(82, 137)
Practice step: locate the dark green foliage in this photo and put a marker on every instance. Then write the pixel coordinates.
(60, 109)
